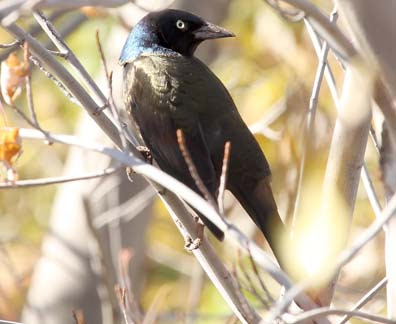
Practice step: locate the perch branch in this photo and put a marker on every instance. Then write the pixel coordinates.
(234, 235)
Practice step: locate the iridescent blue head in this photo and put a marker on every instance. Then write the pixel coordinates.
(169, 32)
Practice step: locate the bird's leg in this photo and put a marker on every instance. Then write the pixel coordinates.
(147, 156)
(192, 244)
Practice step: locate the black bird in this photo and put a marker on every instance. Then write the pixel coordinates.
(166, 88)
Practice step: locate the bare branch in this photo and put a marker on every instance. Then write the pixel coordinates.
(223, 177)
(130, 304)
(209, 261)
(328, 31)
(13, 44)
(70, 57)
(67, 79)
(262, 284)
(193, 170)
(128, 210)
(110, 100)
(33, 30)
(388, 212)
(325, 311)
(252, 287)
(236, 237)
(365, 299)
(121, 295)
(100, 266)
(56, 180)
(309, 126)
(29, 93)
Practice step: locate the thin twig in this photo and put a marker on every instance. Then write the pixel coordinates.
(371, 194)
(368, 185)
(131, 306)
(330, 79)
(110, 100)
(127, 210)
(223, 177)
(274, 113)
(262, 284)
(121, 297)
(346, 256)
(28, 120)
(51, 77)
(163, 6)
(59, 54)
(325, 311)
(152, 312)
(309, 129)
(250, 281)
(33, 30)
(56, 180)
(56, 38)
(101, 266)
(29, 93)
(289, 14)
(13, 44)
(24, 116)
(193, 170)
(195, 289)
(328, 31)
(387, 213)
(365, 299)
(68, 80)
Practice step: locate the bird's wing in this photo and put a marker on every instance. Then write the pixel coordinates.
(161, 100)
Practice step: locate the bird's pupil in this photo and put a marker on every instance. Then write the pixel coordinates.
(180, 24)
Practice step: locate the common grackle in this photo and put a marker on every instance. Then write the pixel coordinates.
(166, 88)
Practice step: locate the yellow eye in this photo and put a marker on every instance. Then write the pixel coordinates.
(180, 24)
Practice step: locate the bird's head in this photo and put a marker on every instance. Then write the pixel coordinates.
(169, 31)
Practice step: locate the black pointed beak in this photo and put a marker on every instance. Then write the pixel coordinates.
(211, 31)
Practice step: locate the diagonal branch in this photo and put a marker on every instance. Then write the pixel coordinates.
(234, 235)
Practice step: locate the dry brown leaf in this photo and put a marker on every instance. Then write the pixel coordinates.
(10, 144)
(13, 73)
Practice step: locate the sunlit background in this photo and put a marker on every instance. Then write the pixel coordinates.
(269, 69)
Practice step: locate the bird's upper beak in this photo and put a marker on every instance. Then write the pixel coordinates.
(211, 31)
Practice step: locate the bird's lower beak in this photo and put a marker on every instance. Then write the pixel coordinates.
(211, 31)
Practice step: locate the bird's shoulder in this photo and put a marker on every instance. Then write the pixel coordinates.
(180, 82)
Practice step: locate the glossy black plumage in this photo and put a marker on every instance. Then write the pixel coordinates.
(166, 88)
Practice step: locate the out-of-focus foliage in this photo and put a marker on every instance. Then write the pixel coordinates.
(270, 60)
(24, 213)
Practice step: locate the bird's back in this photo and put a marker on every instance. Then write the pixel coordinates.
(190, 92)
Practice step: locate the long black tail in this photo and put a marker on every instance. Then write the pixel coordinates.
(261, 207)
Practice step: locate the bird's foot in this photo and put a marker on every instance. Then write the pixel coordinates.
(192, 244)
(129, 172)
(99, 110)
(146, 153)
(147, 156)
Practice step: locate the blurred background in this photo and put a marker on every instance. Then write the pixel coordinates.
(56, 240)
